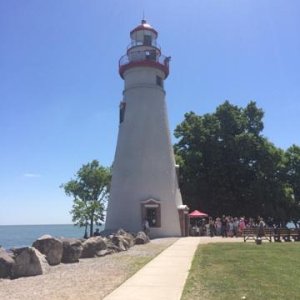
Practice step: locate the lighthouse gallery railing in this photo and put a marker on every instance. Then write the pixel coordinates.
(146, 56)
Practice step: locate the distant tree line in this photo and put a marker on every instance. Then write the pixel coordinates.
(228, 167)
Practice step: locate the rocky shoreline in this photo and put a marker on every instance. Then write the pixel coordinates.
(89, 278)
(50, 251)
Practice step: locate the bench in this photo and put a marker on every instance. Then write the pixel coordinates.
(295, 234)
(285, 234)
(252, 234)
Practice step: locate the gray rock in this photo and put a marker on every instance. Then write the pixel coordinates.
(141, 238)
(127, 236)
(51, 247)
(28, 262)
(104, 252)
(108, 232)
(72, 249)
(6, 264)
(93, 246)
(111, 246)
(120, 242)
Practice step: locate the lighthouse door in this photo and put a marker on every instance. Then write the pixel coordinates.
(151, 215)
(151, 212)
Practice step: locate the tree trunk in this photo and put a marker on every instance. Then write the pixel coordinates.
(85, 230)
(92, 226)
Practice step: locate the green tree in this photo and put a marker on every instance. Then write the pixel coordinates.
(292, 172)
(228, 166)
(90, 190)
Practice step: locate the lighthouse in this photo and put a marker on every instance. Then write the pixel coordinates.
(144, 175)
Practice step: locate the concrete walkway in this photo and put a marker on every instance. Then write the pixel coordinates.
(164, 277)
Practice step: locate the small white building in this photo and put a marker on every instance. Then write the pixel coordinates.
(144, 176)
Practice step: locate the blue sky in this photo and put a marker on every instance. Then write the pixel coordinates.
(60, 88)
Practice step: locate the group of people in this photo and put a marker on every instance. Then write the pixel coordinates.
(225, 226)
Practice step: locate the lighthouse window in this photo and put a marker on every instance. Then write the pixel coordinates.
(150, 55)
(159, 81)
(122, 111)
(147, 40)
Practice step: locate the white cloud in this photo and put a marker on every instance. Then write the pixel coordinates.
(31, 175)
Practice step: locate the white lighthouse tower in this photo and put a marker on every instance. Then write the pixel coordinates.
(144, 178)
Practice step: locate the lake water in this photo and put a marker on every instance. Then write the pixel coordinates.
(25, 235)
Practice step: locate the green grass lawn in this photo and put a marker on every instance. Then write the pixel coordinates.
(245, 271)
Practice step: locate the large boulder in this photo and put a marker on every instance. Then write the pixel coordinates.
(28, 262)
(120, 242)
(111, 247)
(6, 263)
(72, 249)
(51, 247)
(141, 238)
(93, 246)
(127, 236)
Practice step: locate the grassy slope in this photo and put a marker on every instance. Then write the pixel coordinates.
(245, 271)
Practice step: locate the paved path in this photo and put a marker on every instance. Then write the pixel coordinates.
(164, 277)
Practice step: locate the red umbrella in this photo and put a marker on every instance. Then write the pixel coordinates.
(197, 214)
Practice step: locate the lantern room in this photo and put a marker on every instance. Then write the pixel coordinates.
(143, 34)
(143, 51)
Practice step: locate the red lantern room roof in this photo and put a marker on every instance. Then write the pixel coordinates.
(144, 26)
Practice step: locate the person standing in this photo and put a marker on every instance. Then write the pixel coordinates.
(97, 232)
(261, 226)
(224, 226)
(212, 228)
(146, 227)
(242, 225)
